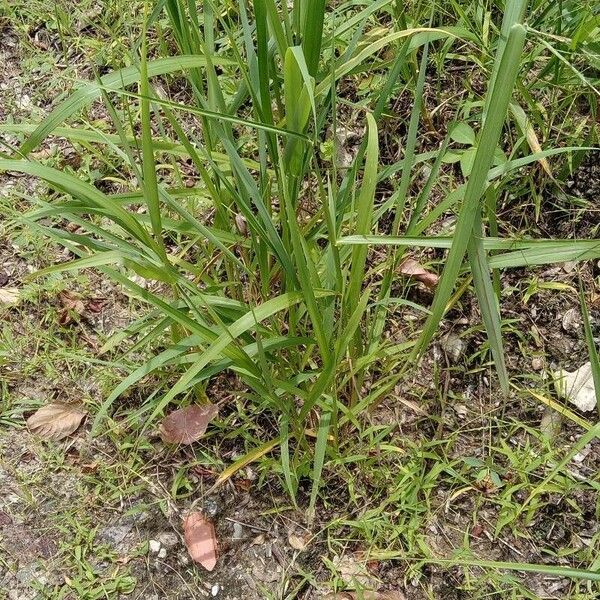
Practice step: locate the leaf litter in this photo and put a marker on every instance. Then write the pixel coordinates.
(187, 425)
(56, 421)
(411, 268)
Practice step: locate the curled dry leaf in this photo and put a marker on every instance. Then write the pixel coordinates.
(9, 296)
(56, 421)
(200, 540)
(187, 425)
(577, 387)
(296, 542)
(71, 305)
(411, 268)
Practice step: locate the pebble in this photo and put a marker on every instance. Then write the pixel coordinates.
(214, 591)
(238, 531)
(210, 508)
(537, 363)
(113, 535)
(168, 539)
(154, 546)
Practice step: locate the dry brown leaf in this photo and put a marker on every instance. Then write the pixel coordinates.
(56, 421)
(296, 542)
(411, 268)
(200, 540)
(95, 305)
(72, 305)
(9, 296)
(187, 425)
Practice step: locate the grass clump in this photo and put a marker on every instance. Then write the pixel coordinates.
(261, 252)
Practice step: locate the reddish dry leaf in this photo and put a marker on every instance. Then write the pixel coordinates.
(187, 425)
(411, 268)
(200, 540)
(56, 421)
(72, 305)
(95, 305)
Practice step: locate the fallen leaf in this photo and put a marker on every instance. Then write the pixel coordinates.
(577, 387)
(56, 421)
(95, 305)
(411, 268)
(241, 224)
(72, 305)
(200, 540)
(296, 542)
(9, 296)
(187, 425)
(550, 423)
(353, 570)
(44, 152)
(245, 485)
(72, 227)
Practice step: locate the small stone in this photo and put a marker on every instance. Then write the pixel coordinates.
(210, 508)
(537, 363)
(214, 590)
(168, 539)
(154, 546)
(162, 553)
(113, 535)
(32, 573)
(238, 531)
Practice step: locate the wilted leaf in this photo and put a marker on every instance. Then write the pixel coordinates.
(72, 305)
(187, 425)
(95, 305)
(241, 224)
(9, 296)
(411, 268)
(296, 542)
(56, 421)
(577, 387)
(200, 540)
